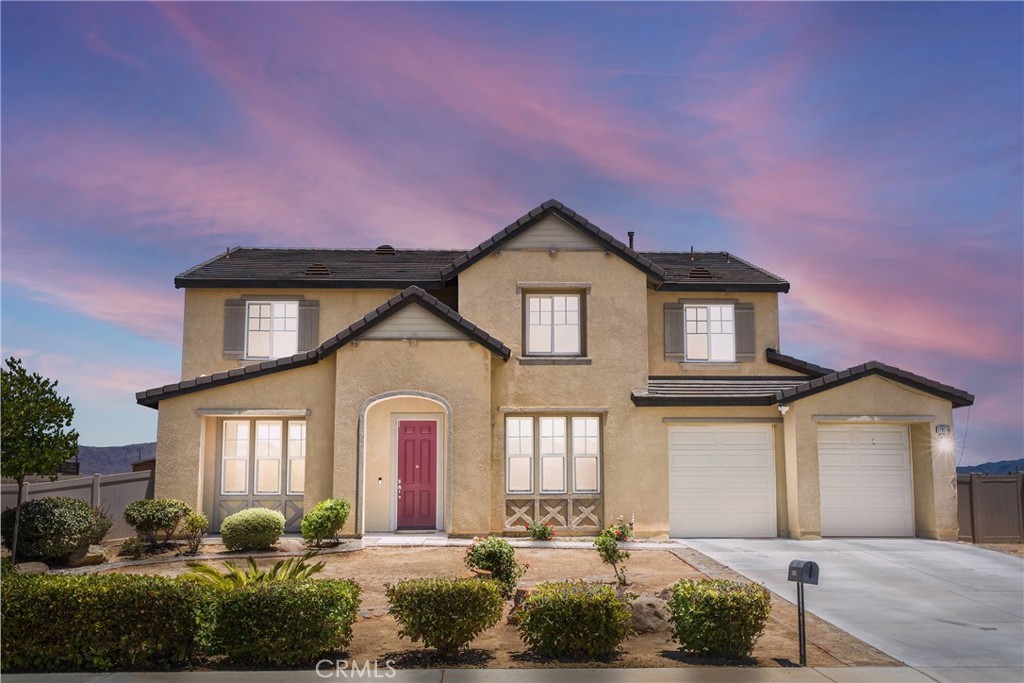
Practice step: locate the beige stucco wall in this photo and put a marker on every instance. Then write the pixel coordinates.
(933, 471)
(203, 344)
(380, 450)
(457, 371)
(187, 445)
(766, 330)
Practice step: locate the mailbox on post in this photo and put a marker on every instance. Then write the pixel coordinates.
(801, 572)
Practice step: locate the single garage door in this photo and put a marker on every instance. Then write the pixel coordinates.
(721, 481)
(865, 480)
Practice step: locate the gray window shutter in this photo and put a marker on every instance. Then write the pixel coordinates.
(234, 328)
(674, 326)
(309, 324)
(746, 348)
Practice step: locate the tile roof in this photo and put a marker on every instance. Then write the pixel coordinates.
(432, 269)
(713, 391)
(410, 295)
(958, 397)
(791, 363)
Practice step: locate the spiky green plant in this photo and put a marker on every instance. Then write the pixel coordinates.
(292, 569)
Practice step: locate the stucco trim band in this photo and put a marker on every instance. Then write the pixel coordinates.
(245, 412)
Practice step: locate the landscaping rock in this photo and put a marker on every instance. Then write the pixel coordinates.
(88, 556)
(518, 599)
(31, 568)
(291, 545)
(650, 614)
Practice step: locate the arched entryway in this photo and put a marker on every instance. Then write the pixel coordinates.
(404, 467)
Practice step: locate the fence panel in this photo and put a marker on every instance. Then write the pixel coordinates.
(110, 491)
(991, 508)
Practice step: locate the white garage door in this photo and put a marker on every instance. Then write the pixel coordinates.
(865, 481)
(721, 481)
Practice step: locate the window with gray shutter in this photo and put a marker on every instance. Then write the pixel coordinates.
(309, 324)
(674, 321)
(746, 349)
(234, 328)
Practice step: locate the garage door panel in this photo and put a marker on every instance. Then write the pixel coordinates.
(722, 481)
(865, 477)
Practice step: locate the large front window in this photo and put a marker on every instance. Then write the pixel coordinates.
(256, 456)
(272, 329)
(554, 324)
(710, 333)
(568, 452)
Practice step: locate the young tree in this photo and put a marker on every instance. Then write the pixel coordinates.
(35, 430)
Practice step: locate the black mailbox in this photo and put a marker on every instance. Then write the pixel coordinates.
(804, 571)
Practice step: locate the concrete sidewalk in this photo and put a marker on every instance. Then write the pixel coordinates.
(696, 674)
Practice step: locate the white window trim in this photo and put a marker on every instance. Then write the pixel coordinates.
(529, 458)
(574, 456)
(580, 322)
(686, 335)
(289, 457)
(223, 458)
(568, 470)
(250, 459)
(256, 302)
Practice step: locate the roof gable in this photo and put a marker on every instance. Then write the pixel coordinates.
(502, 238)
(389, 310)
(958, 397)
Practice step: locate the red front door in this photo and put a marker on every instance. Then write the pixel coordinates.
(417, 474)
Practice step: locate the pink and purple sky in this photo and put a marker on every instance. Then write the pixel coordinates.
(869, 153)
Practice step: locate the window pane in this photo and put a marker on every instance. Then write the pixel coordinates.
(539, 339)
(519, 475)
(567, 339)
(696, 347)
(268, 476)
(259, 345)
(552, 475)
(723, 347)
(585, 474)
(296, 475)
(296, 439)
(234, 476)
(285, 344)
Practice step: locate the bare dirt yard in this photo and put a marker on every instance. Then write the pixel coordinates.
(375, 634)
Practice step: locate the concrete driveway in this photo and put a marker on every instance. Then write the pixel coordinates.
(927, 603)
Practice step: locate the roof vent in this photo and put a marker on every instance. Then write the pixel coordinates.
(699, 273)
(318, 269)
(384, 250)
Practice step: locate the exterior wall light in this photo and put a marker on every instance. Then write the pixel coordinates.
(945, 438)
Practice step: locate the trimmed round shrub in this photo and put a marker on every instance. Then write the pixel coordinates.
(50, 530)
(252, 529)
(284, 623)
(325, 520)
(446, 614)
(101, 524)
(101, 622)
(497, 556)
(718, 618)
(153, 517)
(577, 619)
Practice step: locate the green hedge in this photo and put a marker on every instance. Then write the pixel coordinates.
(100, 622)
(51, 528)
(252, 529)
(325, 520)
(156, 516)
(497, 556)
(717, 618)
(446, 614)
(284, 623)
(575, 619)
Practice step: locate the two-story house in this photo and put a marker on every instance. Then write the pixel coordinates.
(551, 373)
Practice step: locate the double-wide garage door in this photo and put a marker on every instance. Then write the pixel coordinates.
(721, 481)
(865, 480)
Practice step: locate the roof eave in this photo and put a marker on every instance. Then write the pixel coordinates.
(780, 287)
(304, 283)
(644, 401)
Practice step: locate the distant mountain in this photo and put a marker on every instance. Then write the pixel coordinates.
(113, 459)
(1001, 467)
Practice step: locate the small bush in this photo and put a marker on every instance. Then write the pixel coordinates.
(132, 547)
(194, 528)
(292, 569)
(284, 623)
(575, 619)
(446, 614)
(101, 523)
(155, 521)
(101, 622)
(607, 544)
(539, 531)
(621, 530)
(50, 530)
(252, 529)
(325, 520)
(716, 618)
(497, 556)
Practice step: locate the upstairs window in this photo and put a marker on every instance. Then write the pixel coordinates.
(553, 325)
(272, 329)
(710, 333)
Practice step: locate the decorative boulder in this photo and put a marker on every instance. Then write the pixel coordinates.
(87, 556)
(650, 614)
(31, 568)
